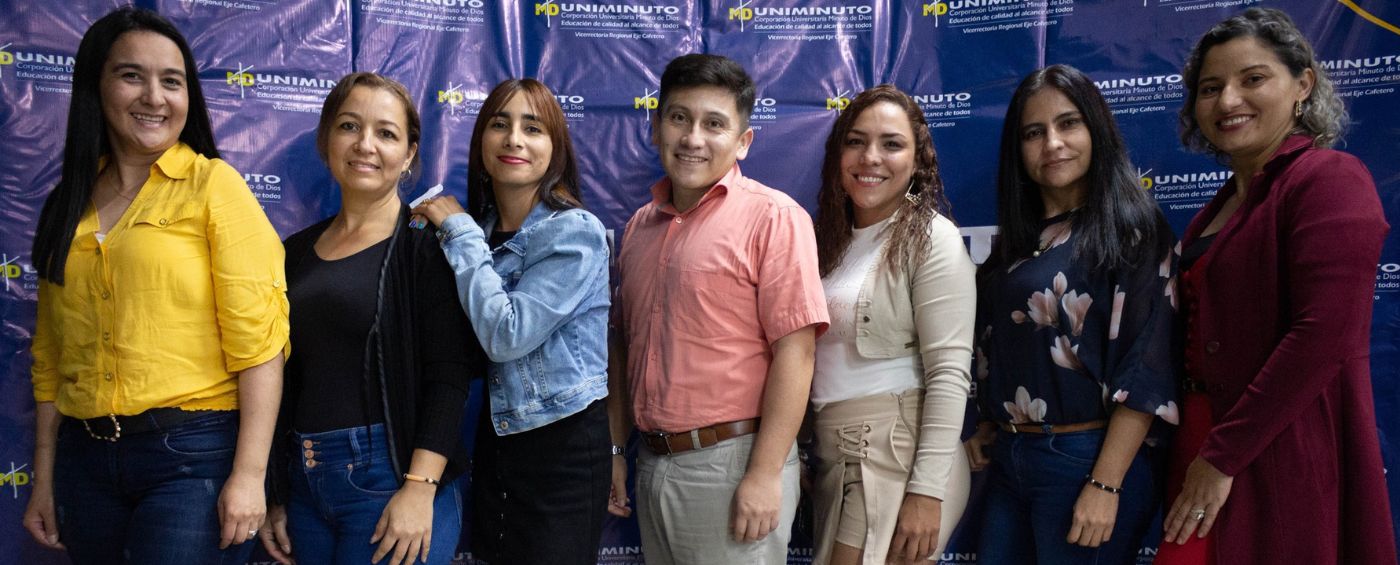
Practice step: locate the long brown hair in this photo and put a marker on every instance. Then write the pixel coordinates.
(909, 238)
(559, 187)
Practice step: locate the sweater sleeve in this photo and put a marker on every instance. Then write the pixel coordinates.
(448, 353)
(944, 294)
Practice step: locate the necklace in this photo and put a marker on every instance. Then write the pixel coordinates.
(116, 188)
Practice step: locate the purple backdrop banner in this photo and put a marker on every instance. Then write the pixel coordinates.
(266, 66)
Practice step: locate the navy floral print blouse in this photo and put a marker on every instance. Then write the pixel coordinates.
(1058, 344)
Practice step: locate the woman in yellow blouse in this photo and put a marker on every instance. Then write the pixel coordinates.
(162, 321)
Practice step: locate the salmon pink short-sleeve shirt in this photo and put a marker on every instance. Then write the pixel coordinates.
(704, 293)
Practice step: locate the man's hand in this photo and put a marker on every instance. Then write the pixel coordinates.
(757, 503)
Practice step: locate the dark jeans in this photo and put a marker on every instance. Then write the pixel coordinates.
(148, 498)
(337, 501)
(1034, 483)
(540, 496)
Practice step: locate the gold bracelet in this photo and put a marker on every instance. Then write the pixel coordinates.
(421, 479)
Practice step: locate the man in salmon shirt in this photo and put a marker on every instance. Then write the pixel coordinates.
(717, 313)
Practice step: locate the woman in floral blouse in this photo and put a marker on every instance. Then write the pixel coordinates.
(1074, 324)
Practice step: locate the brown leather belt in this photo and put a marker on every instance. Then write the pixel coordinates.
(1055, 429)
(663, 443)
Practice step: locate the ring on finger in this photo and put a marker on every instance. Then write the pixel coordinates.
(1198, 514)
(252, 533)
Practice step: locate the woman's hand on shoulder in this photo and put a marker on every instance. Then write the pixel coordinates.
(406, 525)
(916, 529)
(437, 209)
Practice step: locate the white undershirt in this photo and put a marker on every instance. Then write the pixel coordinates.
(842, 373)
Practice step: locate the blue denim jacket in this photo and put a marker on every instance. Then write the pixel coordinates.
(539, 304)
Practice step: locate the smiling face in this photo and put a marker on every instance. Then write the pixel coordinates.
(1245, 100)
(516, 148)
(877, 162)
(700, 137)
(367, 149)
(144, 96)
(1055, 143)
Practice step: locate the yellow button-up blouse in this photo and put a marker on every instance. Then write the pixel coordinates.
(185, 291)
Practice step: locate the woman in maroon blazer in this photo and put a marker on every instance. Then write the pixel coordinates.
(1277, 458)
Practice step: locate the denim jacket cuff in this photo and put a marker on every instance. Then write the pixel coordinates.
(454, 226)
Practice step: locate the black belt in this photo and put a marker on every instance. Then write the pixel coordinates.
(112, 427)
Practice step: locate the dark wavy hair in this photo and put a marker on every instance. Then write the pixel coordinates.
(909, 235)
(1324, 116)
(559, 189)
(1119, 224)
(86, 135)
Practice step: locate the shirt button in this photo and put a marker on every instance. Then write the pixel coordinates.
(106, 295)
(865, 319)
(106, 336)
(1212, 347)
(504, 425)
(276, 284)
(107, 376)
(680, 221)
(164, 221)
(656, 307)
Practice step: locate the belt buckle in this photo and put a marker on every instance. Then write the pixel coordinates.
(116, 426)
(665, 440)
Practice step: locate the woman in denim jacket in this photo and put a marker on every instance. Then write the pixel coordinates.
(533, 277)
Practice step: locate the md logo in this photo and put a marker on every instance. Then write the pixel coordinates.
(242, 79)
(1145, 179)
(936, 10)
(548, 9)
(743, 13)
(16, 478)
(452, 97)
(647, 101)
(840, 102)
(12, 270)
(6, 57)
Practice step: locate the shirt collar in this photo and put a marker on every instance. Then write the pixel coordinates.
(177, 162)
(1292, 144)
(661, 191)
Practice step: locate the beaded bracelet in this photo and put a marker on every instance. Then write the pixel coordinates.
(1103, 487)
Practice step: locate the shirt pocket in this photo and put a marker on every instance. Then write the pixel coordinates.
(712, 305)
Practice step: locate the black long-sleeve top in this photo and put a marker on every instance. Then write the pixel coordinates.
(421, 355)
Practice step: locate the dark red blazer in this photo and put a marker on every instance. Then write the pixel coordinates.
(1284, 322)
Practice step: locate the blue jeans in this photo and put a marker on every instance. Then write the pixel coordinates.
(148, 498)
(1034, 483)
(341, 481)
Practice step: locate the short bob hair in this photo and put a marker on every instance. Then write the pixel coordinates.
(1324, 116)
(86, 140)
(559, 188)
(702, 69)
(342, 90)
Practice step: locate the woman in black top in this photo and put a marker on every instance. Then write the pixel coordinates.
(375, 393)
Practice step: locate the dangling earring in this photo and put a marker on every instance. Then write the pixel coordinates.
(1298, 109)
(910, 196)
